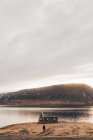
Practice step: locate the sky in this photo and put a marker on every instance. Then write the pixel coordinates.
(45, 42)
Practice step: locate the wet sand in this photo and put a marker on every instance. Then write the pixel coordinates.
(57, 131)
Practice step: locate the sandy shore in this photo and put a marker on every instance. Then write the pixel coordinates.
(64, 131)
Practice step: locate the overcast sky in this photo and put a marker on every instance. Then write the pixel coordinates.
(44, 42)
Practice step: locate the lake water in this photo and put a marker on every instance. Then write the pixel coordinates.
(13, 115)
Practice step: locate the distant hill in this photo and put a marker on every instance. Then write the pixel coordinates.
(53, 96)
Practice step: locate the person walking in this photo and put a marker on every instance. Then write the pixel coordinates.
(44, 128)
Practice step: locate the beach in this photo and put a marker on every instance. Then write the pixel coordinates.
(34, 131)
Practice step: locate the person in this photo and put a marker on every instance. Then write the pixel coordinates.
(44, 128)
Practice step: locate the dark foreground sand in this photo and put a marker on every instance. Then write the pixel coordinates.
(57, 131)
(41, 138)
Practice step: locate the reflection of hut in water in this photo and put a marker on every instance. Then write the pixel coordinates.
(47, 119)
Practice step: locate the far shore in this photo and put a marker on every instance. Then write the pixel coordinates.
(56, 131)
(47, 106)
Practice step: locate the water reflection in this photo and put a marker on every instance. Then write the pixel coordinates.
(70, 115)
(21, 115)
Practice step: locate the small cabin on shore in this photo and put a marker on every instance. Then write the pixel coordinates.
(47, 119)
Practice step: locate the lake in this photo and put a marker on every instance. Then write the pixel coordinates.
(13, 115)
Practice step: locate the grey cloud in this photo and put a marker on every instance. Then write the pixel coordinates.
(41, 39)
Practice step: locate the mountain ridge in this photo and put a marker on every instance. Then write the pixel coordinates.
(55, 95)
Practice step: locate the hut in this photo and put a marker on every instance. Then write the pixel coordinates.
(47, 119)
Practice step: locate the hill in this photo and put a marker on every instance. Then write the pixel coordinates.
(53, 96)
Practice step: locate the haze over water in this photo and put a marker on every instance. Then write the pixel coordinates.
(13, 115)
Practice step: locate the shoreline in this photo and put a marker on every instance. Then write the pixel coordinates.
(47, 106)
(34, 131)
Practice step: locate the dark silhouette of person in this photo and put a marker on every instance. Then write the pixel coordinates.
(44, 128)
